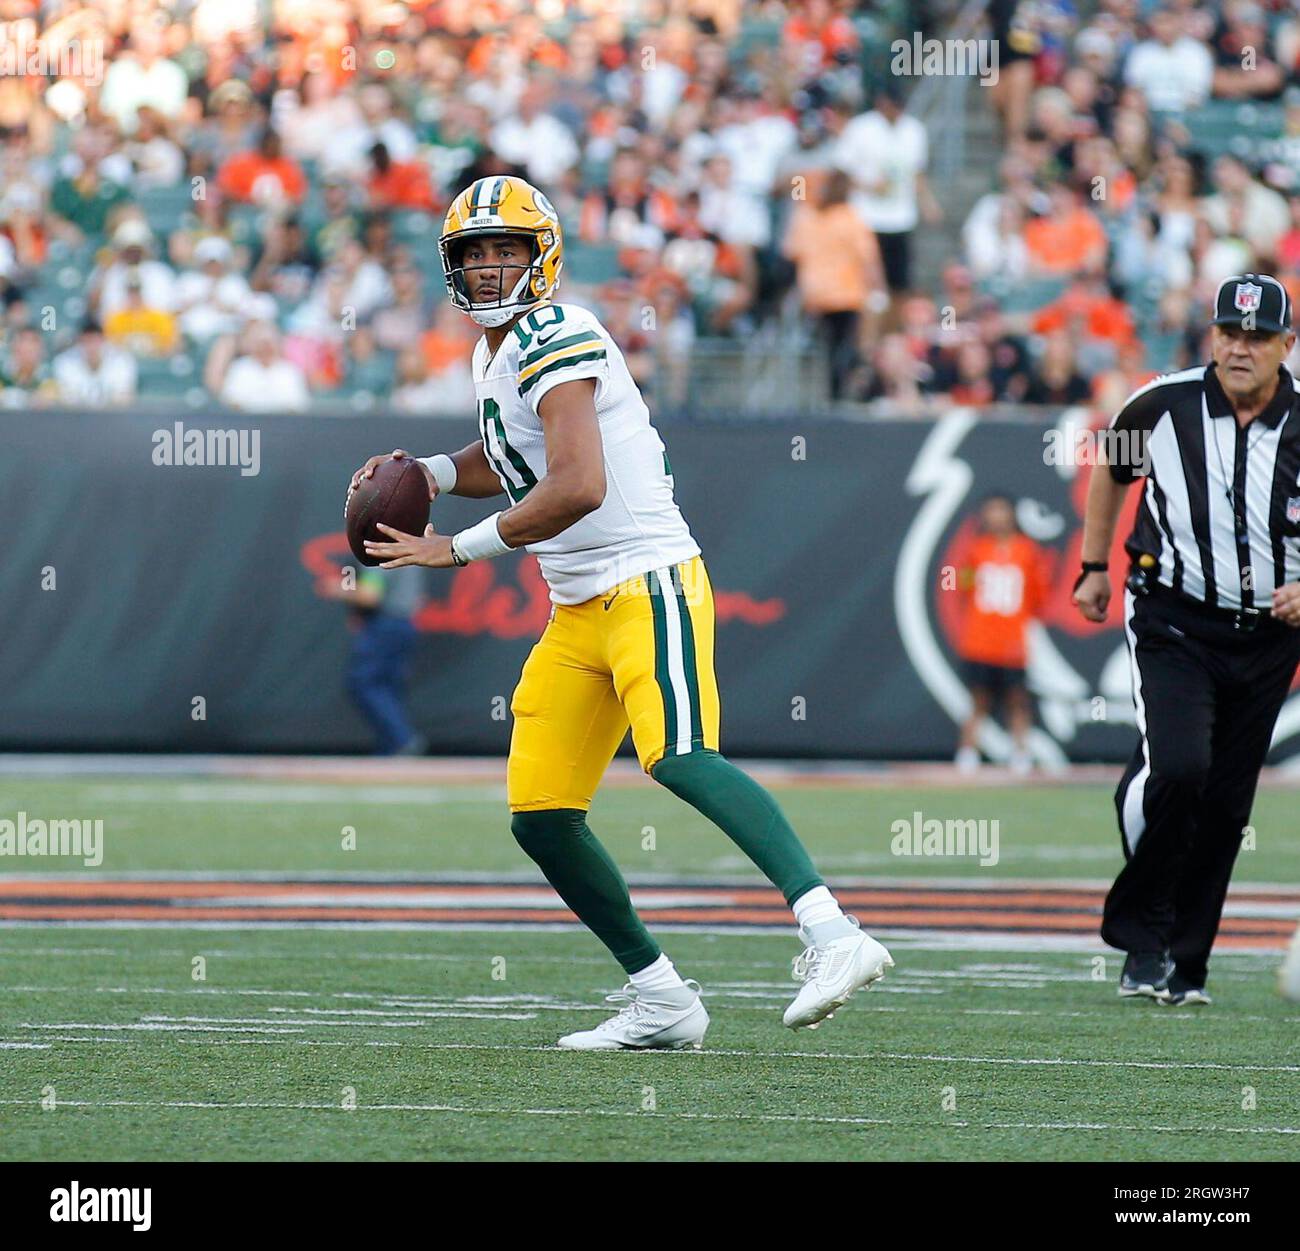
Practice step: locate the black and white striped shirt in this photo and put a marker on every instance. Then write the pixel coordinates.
(1220, 510)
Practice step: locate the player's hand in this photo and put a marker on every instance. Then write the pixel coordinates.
(1286, 604)
(367, 470)
(1092, 595)
(431, 549)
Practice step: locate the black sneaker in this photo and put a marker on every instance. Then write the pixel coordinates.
(1146, 973)
(1182, 994)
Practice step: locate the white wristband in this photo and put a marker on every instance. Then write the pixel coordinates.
(480, 542)
(443, 469)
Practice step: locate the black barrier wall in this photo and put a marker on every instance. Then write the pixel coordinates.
(153, 605)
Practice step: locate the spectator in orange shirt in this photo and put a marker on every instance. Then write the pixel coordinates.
(398, 184)
(837, 269)
(1088, 310)
(1068, 240)
(828, 37)
(262, 176)
(1003, 580)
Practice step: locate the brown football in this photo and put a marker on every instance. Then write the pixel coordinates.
(396, 494)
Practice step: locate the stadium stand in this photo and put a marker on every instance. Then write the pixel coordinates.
(677, 138)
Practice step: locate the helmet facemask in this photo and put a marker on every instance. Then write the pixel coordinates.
(508, 304)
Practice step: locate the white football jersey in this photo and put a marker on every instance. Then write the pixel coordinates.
(638, 527)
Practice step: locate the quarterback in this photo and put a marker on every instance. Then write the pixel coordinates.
(566, 436)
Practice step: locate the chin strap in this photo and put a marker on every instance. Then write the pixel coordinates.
(500, 315)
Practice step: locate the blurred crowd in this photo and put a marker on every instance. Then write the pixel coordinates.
(1148, 151)
(245, 197)
(242, 200)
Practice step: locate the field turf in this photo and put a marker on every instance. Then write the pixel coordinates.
(379, 1042)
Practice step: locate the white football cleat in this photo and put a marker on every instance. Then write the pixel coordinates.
(831, 973)
(1288, 976)
(644, 1024)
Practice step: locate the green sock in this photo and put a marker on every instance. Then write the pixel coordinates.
(745, 812)
(587, 880)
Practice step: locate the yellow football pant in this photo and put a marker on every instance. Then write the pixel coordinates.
(639, 655)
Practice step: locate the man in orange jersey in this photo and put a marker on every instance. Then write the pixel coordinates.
(1004, 586)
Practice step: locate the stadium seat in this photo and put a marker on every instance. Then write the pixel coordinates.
(1234, 126)
(1161, 348)
(592, 263)
(414, 228)
(1025, 295)
(169, 376)
(374, 376)
(755, 34)
(245, 223)
(165, 208)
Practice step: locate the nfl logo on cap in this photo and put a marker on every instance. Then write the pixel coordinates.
(1247, 297)
(1293, 509)
(1253, 302)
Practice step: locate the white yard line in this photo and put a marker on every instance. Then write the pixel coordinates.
(769, 1118)
(213, 1025)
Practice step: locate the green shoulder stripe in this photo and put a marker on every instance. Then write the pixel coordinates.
(563, 363)
(534, 354)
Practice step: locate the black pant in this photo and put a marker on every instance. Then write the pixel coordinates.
(896, 258)
(1207, 695)
(840, 331)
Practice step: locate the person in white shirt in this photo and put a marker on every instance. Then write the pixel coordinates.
(1263, 215)
(143, 76)
(347, 153)
(210, 300)
(1174, 71)
(728, 210)
(263, 381)
(542, 144)
(885, 153)
(132, 240)
(93, 373)
(157, 161)
(311, 119)
(757, 138)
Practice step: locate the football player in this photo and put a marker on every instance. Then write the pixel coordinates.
(565, 434)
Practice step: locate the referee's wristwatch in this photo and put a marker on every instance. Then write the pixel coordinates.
(1090, 566)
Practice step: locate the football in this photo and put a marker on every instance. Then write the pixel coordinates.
(397, 494)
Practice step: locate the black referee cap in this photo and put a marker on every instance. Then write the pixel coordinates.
(1253, 302)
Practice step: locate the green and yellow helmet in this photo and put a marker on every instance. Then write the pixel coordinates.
(503, 205)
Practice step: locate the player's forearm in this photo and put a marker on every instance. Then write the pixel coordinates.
(475, 478)
(1105, 499)
(558, 501)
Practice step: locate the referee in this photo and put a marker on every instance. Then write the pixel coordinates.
(1211, 616)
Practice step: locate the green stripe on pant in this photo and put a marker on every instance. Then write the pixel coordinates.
(688, 659)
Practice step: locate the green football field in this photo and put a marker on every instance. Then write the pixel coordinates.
(383, 1040)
